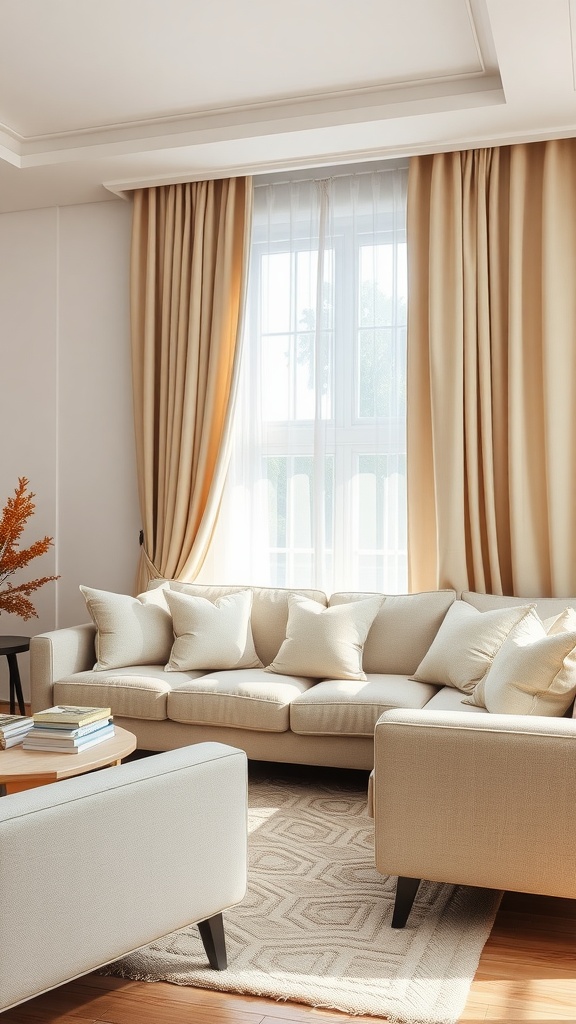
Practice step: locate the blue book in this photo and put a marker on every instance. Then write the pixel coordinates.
(52, 729)
(66, 744)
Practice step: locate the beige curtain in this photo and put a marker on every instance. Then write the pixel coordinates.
(188, 278)
(492, 370)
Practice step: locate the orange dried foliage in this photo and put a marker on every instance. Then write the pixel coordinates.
(15, 515)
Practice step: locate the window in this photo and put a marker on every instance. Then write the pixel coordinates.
(316, 492)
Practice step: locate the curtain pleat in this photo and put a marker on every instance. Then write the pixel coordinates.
(188, 279)
(492, 370)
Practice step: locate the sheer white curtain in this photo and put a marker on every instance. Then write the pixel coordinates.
(316, 491)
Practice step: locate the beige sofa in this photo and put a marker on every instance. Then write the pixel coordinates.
(100, 865)
(272, 716)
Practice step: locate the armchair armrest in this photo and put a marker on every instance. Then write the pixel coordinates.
(55, 654)
(94, 867)
(485, 800)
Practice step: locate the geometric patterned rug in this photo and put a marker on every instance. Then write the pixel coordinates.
(314, 926)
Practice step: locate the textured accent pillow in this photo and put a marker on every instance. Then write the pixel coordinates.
(325, 643)
(533, 673)
(130, 630)
(211, 635)
(465, 645)
(563, 623)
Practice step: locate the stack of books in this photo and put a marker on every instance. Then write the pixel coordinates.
(68, 729)
(13, 729)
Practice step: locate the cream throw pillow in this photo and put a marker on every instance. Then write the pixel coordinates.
(211, 636)
(325, 643)
(465, 645)
(130, 630)
(533, 673)
(563, 623)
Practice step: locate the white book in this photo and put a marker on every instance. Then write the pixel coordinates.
(14, 723)
(14, 736)
(12, 741)
(68, 733)
(30, 743)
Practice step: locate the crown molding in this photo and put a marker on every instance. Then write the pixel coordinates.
(240, 122)
(10, 150)
(381, 154)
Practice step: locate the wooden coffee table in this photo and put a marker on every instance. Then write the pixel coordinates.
(23, 769)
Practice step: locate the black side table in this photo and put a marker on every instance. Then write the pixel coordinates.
(11, 646)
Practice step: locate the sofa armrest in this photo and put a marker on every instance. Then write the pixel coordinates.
(56, 654)
(97, 866)
(483, 800)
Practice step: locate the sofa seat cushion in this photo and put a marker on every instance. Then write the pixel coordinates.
(346, 707)
(450, 699)
(239, 698)
(136, 692)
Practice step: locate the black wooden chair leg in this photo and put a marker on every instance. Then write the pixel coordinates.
(214, 942)
(406, 890)
(15, 685)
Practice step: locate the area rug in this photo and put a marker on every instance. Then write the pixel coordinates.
(315, 924)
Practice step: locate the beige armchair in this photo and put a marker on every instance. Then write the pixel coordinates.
(94, 867)
(481, 800)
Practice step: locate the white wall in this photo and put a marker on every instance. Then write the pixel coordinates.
(66, 403)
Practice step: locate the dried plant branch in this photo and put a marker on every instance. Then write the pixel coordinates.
(15, 515)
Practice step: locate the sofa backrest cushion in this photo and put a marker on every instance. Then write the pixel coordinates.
(269, 610)
(403, 629)
(545, 606)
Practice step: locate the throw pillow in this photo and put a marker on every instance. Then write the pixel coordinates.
(129, 630)
(211, 635)
(465, 645)
(325, 643)
(533, 673)
(563, 623)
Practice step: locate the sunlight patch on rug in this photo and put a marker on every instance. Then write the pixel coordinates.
(314, 926)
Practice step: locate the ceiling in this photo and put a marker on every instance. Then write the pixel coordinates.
(101, 96)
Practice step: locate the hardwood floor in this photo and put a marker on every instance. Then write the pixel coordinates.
(527, 973)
